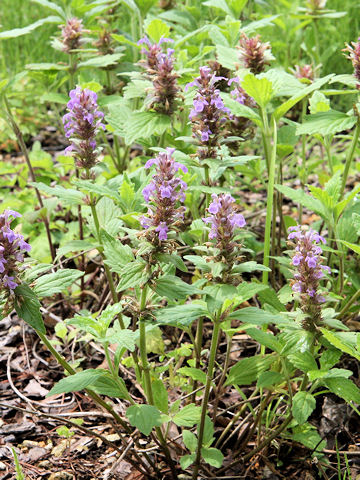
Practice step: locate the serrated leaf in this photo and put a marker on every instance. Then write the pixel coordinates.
(187, 460)
(142, 125)
(344, 388)
(269, 379)
(302, 406)
(18, 32)
(56, 282)
(68, 196)
(266, 339)
(299, 196)
(174, 288)
(194, 373)
(157, 29)
(212, 456)
(161, 398)
(337, 340)
(172, 258)
(78, 381)
(101, 61)
(326, 123)
(247, 370)
(181, 316)
(132, 275)
(52, 6)
(260, 89)
(190, 440)
(75, 246)
(144, 417)
(187, 416)
(303, 361)
(27, 307)
(255, 316)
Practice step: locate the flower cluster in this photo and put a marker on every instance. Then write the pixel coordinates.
(82, 123)
(71, 34)
(238, 126)
(164, 192)
(354, 55)
(254, 54)
(315, 6)
(208, 113)
(12, 249)
(304, 72)
(223, 220)
(160, 66)
(309, 271)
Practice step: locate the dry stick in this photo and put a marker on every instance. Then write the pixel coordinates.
(23, 148)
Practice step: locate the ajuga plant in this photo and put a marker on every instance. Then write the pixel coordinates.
(159, 68)
(205, 366)
(353, 54)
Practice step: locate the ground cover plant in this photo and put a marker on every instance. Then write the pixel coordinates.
(179, 239)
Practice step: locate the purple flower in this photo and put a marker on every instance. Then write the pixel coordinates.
(12, 249)
(223, 220)
(71, 34)
(163, 193)
(354, 55)
(309, 270)
(254, 54)
(208, 113)
(159, 68)
(81, 124)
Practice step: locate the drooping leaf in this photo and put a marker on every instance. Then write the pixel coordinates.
(78, 381)
(212, 456)
(187, 416)
(27, 307)
(18, 32)
(144, 417)
(303, 405)
(48, 285)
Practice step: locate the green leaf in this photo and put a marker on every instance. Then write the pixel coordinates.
(75, 246)
(352, 246)
(212, 456)
(187, 416)
(133, 274)
(269, 379)
(248, 290)
(255, 316)
(299, 196)
(190, 440)
(27, 307)
(174, 288)
(260, 89)
(338, 341)
(181, 316)
(266, 339)
(67, 195)
(247, 370)
(56, 282)
(18, 32)
(101, 61)
(194, 373)
(161, 397)
(117, 255)
(78, 381)
(53, 6)
(285, 107)
(45, 67)
(187, 460)
(303, 361)
(303, 405)
(157, 29)
(144, 417)
(142, 125)
(326, 123)
(123, 337)
(249, 267)
(344, 388)
(172, 258)
(106, 385)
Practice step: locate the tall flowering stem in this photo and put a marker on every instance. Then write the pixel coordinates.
(12, 250)
(254, 54)
(239, 126)
(159, 66)
(163, 194)
(208, 114)
(71, 39)
(353, 54)
(307, 261)
(82, 123)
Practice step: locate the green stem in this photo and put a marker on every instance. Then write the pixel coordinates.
(120, 166)
(349, 158)
(349, 303)
(72, 70)
(317, 42)
(266, 137)
(327, 145)
(197, 350)
(269, 208)
(209, 377)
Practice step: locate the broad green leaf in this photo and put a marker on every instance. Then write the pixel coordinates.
(209, 432)
(247, 370)
(144, 417)
(56, 282)
(157, 29)
(67, 196)
(52, 6)
(101, 61)
(45, 67)
(133, 274)
(27, 307)
(260, 89)
(326, 123)
(303, 361)
(187, 460)
(247, 290)
(249, 267)
(106, 385)
(303, 405)
(269, 379)
(181, 316)
(266, 339)
(75, 246)
(174, 288)
(18, 32)
(78, 381)
(172, 258)
(337, 340)
(117, 255)
(255, 316)
(124, 338)
(194, 373)
(142, 125)
(344, 388)
(144, 5)
(160, 396)
(285, 107)
(299, 196)
(212, 456)
(190, 440)
(100, 190)
(187, 416)
(221, 4)
(353, 246)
